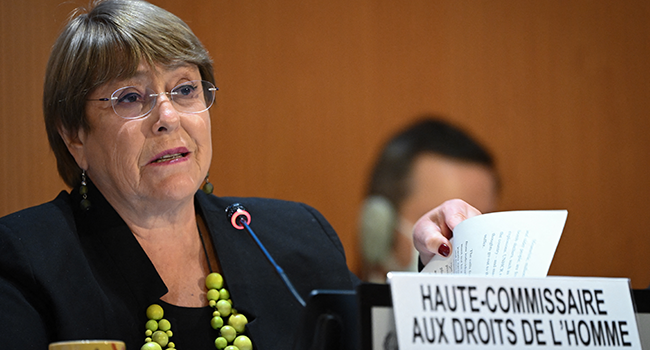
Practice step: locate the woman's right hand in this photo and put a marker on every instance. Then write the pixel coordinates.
(431, 233)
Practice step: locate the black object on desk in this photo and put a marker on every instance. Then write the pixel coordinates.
(641, 298)
(330, 321)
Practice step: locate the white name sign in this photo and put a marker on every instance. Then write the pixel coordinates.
(467, 312)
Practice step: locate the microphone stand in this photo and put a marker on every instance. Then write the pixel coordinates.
(240, 216)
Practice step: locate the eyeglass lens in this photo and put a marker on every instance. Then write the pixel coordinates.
(133, 102)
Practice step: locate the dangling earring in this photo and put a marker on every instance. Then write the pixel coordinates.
(83, 191)
(208, 188)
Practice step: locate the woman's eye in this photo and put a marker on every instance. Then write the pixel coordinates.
(129, 98)
(185, 90)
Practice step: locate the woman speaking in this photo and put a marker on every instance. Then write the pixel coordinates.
(136, 251)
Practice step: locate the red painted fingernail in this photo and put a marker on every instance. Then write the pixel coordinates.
(444, 250)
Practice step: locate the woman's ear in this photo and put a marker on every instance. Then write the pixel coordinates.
(75, 141)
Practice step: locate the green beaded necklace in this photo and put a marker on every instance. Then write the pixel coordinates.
(225, 319)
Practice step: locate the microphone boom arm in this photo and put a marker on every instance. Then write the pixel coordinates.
(240, 217)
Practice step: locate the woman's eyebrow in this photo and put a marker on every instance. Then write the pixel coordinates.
(139, 77)
(178, 64)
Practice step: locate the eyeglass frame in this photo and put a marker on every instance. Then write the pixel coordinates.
(211, 88)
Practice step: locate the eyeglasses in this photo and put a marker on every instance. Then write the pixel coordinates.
(133, 102)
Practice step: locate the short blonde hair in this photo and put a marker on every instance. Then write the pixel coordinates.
(107, 42)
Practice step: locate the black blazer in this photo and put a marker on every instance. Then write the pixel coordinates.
(67, 274)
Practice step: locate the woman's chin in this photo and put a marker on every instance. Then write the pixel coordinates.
(178, 187)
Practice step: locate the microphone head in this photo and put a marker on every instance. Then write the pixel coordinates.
(238, 215)
(233, 208)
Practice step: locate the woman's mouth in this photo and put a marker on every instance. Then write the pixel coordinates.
(170, 156)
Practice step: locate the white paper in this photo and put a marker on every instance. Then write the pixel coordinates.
(503, 244)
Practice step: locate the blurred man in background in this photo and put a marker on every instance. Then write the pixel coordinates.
(419, 168)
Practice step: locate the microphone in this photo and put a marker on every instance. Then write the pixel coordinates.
(240, 219)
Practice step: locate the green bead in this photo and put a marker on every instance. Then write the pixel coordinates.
(238, 322)
(208, 188)
(224, 294)
(224, 307)
(161, 338)
(151, 346)
(214, 281)
(164, 325)
(243, 343)
(216, 313)
(220, 343)
(229, 333)
(216, 322)
(171, 345)
(148, 332)
(170, 333)
(152, 325)
(213, 294)
(155, 312)
(85, 204)
(231, 347)
(83, 190)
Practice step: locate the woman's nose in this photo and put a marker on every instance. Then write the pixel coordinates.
(168, 116)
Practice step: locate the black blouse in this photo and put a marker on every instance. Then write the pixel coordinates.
(190, 326)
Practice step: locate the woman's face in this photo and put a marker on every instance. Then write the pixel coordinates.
(160, 158)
